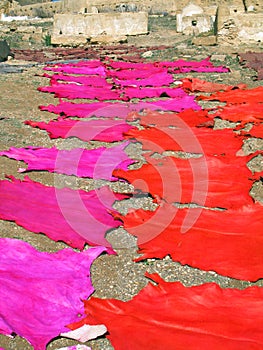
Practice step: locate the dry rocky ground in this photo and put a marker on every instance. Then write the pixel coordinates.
(112, 276)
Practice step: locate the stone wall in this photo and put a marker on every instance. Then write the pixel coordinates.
(78, 28)
(151, 6)
(236, 28)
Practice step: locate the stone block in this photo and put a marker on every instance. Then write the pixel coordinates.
(68, 40)
(205, 40)
(216, 57)
(106, 39)
(29, 29)
(94, 24)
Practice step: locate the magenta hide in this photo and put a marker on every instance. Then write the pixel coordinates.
(96, 163)
(118, 109)
(98, 130)
(74, 91)
(95, 81)
(78, 69)
(157, 79)
(75, 217)
(135, 92)
(41, 293)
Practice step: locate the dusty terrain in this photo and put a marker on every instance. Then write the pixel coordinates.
(112, 276)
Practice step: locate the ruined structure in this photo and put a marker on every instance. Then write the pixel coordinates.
(223, 21)
(104, 27)
(230, 22)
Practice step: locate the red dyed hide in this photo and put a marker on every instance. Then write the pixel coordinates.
(196, 85)
(251, 112)
(211, 181)
(237, 96)
(187, 139)
(164, 119)
(173, 317)
(229, 242)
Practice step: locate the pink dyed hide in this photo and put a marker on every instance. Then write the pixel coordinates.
(78, 69)
(79, 63)
(135, 73)
(130, 65)
(75, 217)
(74, 91)
(177, 105)
(99, 130)
(117, 109)
(94, 81)
(219, 69)
(75, 347)
(158, 79)
(95, 163)
(41, 293)
(182, 63)
(134, 92)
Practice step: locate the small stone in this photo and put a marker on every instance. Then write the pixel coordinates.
(147, 54)
(218, 58)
